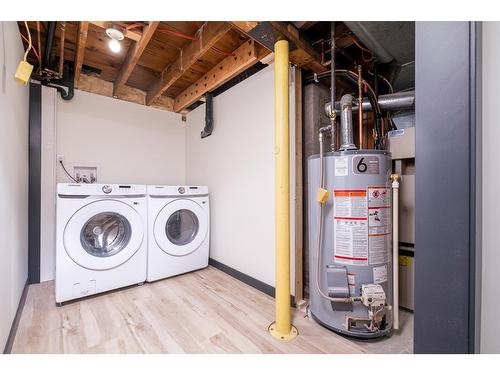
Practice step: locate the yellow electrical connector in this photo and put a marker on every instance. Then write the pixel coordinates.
(23, 72)
(24, 69)
(322, 195)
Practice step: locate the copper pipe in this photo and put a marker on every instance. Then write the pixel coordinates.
(39, 43)
(61, 49)
(333, 115)
(360, 106)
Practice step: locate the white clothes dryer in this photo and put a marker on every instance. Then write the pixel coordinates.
(178, 230)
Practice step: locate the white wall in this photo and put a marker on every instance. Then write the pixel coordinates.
(13, 178)
(129, 143)
(237, 164)
(490, 308)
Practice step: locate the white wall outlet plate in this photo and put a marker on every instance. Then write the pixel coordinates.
(85, 174)
(60, 158)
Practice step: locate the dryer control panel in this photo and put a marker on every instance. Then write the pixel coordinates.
(100, 189)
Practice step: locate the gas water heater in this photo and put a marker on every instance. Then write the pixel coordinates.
(349, 213)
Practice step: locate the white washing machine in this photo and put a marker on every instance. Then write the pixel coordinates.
(101, 238)
(178, 230)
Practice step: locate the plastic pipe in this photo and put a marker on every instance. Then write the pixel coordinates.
(282, 328)
(395, 249)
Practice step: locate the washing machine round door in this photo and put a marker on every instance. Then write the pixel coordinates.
(103, 234)
(180, 227)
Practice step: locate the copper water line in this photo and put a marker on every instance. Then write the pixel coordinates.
(360, 106)
(333, 114)
(39, 46)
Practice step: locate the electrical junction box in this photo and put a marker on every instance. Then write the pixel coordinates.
(23, 72)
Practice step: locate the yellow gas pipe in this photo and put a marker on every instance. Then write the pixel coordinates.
(282, 328)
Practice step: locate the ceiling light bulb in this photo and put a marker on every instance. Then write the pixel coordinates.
(115, 45)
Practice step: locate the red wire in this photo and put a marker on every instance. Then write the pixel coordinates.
(33, 48)
(172, 31)
(133, 26)
(222, 52)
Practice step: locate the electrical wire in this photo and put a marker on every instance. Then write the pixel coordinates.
(221, 52)
(170, 30)
(33, 49)
(383, 79)
(363, 50)
(133, 26)
(66, 171)
(29, 41)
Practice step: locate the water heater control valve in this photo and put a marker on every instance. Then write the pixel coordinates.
(373, 295)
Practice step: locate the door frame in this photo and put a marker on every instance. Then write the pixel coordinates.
(448, 187)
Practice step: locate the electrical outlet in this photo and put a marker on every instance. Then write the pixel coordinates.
(60, 158)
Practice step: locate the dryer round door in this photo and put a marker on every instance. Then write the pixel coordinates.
(103, 234)
(180, 227)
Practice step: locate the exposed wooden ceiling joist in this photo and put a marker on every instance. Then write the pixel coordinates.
(207, 36)
(133, 55)
(131, 94)
(83, 28)
(131, 34)
(304, 56)
(242, 58)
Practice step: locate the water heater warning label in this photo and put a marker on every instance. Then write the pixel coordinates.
(351, 227)
(379, 224)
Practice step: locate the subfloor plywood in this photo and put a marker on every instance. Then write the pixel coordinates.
(206, 311)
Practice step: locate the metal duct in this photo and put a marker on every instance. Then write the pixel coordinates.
(389, 102)
(346, 129)
(369, 41)
(209, 116)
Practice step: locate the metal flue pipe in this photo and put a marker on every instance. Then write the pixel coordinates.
(346, 129)
(389, 102)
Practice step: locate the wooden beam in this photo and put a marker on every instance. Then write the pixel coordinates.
(133, 55)
(209, 34)
(244, 26)
(242, 58)
(304, 25)
(83, 28)
(290, 32)
(130, 94)
(131, 34)
(304, 56)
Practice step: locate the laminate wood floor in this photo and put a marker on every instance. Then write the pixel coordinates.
(206, 311)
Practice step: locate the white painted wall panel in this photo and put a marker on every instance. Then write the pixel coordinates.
(13, 178)
(237, 164)
(490, 308)
(48, 165)
(129, 143)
